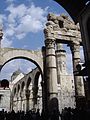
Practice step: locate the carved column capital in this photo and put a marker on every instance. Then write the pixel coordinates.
(50, 43)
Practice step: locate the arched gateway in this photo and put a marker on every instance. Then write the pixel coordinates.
(8, 54)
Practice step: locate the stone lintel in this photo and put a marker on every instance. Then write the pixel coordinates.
(71, 33)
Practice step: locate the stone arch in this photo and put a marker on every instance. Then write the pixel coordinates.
(8, 54)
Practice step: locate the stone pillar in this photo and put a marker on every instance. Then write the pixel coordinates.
(11, 101)
(44, 82)
(27, 99)
(35, 91)
(61, 62)
(21, 101)
(79, 85)
(51, 74)
(51, 71)
(17, 103)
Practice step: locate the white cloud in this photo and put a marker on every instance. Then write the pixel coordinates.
(16, 12)
(20, 36)
(9, 32)
(6, 42)
(20, 21)
(26, 19)
(2, 18)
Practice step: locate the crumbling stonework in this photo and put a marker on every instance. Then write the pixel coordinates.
(61, 29)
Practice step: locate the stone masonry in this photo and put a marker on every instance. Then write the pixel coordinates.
(62, 89)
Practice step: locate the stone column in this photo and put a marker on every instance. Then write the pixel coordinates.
(61, 62)
(11, 101)
(35, 92)
(21, 101)
(27, 99)
(17, 103)
(51, 71)
(79, 85)
(43, 82)
(51, 74)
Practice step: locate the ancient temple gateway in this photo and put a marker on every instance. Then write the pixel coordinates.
(57, 89)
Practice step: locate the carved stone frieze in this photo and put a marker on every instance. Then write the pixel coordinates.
(63, 19)
(49, 30)
(62, 28)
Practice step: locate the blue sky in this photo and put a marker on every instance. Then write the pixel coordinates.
(23, 22)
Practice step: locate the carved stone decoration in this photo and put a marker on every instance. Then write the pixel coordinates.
(63, 21)
(52, 17)
(48, 31)
(50, 43)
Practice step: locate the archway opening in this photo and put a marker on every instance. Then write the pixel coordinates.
(21, 74)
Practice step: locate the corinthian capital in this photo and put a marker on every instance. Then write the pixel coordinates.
(50, 43)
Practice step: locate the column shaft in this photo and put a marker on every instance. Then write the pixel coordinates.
(51, 74)
(79, 85)
(27, 99)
